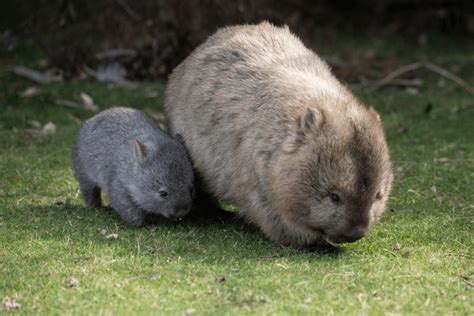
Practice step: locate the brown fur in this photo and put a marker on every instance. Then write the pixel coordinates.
(270, 129)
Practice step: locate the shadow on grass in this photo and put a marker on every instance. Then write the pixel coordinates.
(209, 240)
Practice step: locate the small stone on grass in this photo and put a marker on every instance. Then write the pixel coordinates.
(72, 282)
(10, 304)
(396, 247)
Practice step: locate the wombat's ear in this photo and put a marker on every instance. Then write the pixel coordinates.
(140, 150)
(310, 120)
(179, 138)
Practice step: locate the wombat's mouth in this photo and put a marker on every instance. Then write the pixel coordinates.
(174, 218)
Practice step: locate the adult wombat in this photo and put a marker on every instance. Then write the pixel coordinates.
(142, 169)
(270, 129)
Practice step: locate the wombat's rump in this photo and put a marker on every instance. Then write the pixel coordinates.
(270, 129)
(142, 169)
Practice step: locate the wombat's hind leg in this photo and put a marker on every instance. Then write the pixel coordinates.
(91, 194)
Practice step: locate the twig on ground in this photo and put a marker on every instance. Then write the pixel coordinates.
(116, 53)
(392, 78)
(67, 103)
(449, 75)
(35, 76)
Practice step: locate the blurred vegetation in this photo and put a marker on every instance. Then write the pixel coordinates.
(161, 33)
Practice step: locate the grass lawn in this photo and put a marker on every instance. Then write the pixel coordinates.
(47, 235)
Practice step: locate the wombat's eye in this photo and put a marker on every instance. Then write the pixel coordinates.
(335, 198)
(163, 193)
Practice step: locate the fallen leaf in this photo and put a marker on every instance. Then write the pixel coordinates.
(72, 282)
(441, 160)
(151, 93)
(30, 92)
(37, 76)
(74, 118)
(112, 73)
(103, 232)
(115, 53)
(412, 91)
(396, 247)
(34, 124)
(155, 277)
(189, 311)
(48, 129)
(88, 102)
(67, 103)
(111, 236)
(10, 304)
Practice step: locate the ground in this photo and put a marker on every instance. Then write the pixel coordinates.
(417, 260)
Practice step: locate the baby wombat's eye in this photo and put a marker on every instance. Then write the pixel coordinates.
(163, 193)
(335, 198)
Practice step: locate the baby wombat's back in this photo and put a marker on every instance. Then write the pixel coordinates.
(105, 139)
(271, 129)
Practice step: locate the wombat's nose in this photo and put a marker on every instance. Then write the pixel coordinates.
(355, 234)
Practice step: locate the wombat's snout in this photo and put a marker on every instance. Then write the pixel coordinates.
(354, 234)
(179, 212)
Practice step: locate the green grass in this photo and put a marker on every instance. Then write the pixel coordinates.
(47, 235)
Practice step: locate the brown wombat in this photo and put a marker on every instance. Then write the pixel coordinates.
(270, 129)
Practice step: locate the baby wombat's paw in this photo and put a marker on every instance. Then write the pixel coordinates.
(135, 218)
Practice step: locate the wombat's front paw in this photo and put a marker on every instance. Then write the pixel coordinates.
(134, 218)
(323, 248)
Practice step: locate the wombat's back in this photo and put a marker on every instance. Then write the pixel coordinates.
(234, 98)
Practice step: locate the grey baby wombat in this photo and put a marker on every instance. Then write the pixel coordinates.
(142, 169)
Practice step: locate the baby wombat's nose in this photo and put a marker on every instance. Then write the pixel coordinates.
(354, 234)
(181, 211)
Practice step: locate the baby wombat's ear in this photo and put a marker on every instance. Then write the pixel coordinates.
(179, 138)
(310, 120)
(140, 150)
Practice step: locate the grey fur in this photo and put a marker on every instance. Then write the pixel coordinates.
(270, 129)
(123, 152)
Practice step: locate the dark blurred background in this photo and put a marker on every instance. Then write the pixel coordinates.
(149, 38)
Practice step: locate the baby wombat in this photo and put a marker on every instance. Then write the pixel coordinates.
(270, 129)
(142, 169)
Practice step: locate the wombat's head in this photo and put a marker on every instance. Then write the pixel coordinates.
(336, 175)
(163, 178)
